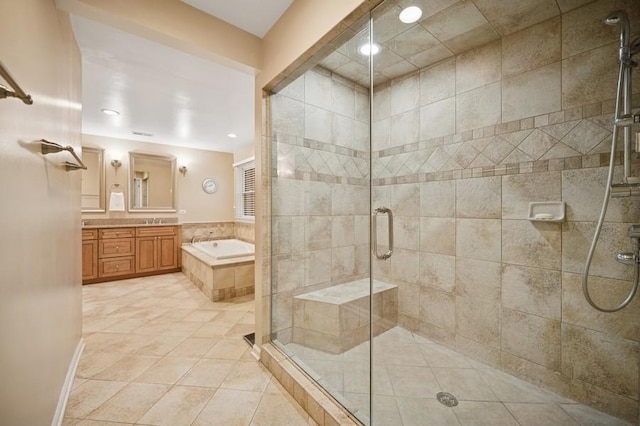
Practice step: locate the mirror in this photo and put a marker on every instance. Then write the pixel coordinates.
(93, 199)
(151, 182)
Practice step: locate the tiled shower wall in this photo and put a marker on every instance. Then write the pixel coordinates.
(460, 149)
(320, 189)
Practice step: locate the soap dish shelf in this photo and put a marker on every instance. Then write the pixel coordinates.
(546, 211)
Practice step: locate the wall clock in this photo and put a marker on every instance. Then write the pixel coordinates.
(209, 186)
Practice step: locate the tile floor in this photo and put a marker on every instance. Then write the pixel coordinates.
(410, 370)
(158, 352)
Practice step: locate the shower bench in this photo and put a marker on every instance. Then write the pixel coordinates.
(336, 319)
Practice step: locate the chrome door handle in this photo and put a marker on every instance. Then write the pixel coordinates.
(389, 213)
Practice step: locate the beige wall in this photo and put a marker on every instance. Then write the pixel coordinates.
(243, 154)
(40, 295)
(175, 24)
(201, 164)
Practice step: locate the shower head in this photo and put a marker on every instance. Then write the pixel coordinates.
(614, 17)
(620, 17)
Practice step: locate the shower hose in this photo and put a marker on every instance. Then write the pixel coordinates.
(603, 212)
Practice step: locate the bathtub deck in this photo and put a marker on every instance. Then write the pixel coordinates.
(219, 279)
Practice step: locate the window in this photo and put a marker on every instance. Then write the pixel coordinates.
(246, 189)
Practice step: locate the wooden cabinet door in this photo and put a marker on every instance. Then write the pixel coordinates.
(146, 254)
(89, 259)
(167, 252)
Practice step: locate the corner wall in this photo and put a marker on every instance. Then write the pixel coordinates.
(40, 256)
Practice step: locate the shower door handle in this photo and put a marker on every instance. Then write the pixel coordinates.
(387, 211)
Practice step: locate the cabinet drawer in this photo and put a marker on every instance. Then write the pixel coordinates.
(89, 234)
(153, 231)
(117, 266)
(116, 247)
(117, 233)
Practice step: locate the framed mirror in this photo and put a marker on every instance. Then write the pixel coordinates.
(152, 182)
(93, 193)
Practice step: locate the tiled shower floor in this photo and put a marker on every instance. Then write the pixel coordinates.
(410, 370)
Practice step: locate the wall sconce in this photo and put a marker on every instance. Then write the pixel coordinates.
(183, 170)
(116, 164)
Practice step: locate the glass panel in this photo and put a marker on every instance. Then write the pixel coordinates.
(320, 221)
(480, 107)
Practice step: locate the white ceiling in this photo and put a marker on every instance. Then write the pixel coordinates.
(180, 99)
(254, 16)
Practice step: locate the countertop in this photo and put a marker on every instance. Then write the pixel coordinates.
(131, 225)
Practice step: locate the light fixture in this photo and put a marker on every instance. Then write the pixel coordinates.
(116, 164)
(369, 49)
(410, 14)
(232, 135)
(110, 111)
(183, 170)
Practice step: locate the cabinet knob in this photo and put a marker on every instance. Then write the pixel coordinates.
(117, 247)
(117, 266)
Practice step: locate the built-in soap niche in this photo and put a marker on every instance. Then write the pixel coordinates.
(546, 211)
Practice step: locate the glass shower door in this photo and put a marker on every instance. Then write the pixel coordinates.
(320, 223)
(414, 262)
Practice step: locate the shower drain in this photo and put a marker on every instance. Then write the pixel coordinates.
(447, 399)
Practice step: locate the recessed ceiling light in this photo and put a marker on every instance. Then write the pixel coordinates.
(410, 14)
(110, 111)
(232, 135)
(369, 49)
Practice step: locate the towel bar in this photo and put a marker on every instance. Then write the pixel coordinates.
(17, 93)
(48, 147)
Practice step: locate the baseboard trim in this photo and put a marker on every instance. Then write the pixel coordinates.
(68, 384)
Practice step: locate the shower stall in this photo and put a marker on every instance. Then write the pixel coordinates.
(407, 275)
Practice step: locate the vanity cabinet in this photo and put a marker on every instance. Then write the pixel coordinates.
(89, 254)
(117, 253)
(157, 249)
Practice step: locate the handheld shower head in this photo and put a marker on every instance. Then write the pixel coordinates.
(620, 17)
